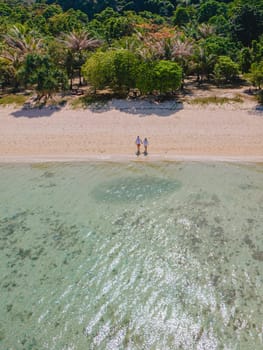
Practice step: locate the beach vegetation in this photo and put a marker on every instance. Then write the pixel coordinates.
(137, 44)
(181, 16)
(245, 59)
(167, 76)
(220, 46)
(247, 20)
(203, 63)
(121, 70)
(7, 73)
(77, 44)
(225, 69)
(260, 97)
(221, 25)
(97, 70)
(255, 75)
(98, 100)
(161, 77)
(112, 26)
(218, 100)
(115, 69)
(145, 81)
(39, 71)
(13, 99)
(66, 22)
(125, 65)
(210, 8)
(257, 50)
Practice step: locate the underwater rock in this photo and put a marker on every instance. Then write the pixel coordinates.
(258, 255)
(200, 221)
(9, 307)
(229, 295)
(24, 253)
(217, 219)
(249, 242)
(2, 334)
(47, 174)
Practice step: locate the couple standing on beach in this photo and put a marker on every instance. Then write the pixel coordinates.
(139, 142)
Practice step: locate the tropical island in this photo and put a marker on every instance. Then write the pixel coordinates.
(106, 244)
(111, 59)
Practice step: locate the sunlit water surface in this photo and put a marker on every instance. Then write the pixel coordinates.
(131, 256)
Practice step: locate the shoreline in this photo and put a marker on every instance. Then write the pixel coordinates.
(151, 158)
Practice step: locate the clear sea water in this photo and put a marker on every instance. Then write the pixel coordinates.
(131, 256)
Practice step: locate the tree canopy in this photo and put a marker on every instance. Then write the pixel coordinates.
(148, 44)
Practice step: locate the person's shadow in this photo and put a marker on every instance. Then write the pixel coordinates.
(144, 153)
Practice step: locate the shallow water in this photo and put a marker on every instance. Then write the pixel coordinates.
(131, 256)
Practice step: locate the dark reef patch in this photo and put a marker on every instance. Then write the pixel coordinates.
(258, 255)
(132, 189)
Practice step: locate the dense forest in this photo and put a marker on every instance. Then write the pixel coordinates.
(147, 45)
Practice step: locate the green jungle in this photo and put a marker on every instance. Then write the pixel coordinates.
(140, 46)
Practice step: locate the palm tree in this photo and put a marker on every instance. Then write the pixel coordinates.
(205, 30)
(155, 45)
(204, 63)
(77, 43)
(18, 43)
(182, 48)
(191, 29)
(181, 51)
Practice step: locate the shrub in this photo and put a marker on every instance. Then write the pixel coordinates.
(255, 75)
(260, 97)
(116, 69)
(162, 76)
(225, 69)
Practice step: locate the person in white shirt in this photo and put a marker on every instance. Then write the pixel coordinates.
(138, 143)
(145, 143)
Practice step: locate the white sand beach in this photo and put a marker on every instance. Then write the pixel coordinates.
(175, 131)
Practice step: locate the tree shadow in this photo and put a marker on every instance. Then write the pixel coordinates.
(190, 87)
(236, 84)
(257, 110)
(28, 111)
(140, 107)
(251, 91)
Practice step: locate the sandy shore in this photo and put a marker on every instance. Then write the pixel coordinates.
(175, 132)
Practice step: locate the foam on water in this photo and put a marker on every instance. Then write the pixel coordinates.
(131, 256)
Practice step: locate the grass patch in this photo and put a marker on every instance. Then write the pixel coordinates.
(216, 100)
(86, 101)
(18, 100)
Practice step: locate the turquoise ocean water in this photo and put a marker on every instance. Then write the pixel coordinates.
(131, 256)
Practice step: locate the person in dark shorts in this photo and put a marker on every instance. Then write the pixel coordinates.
(138, 143)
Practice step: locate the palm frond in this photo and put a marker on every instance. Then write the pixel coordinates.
(78, 41)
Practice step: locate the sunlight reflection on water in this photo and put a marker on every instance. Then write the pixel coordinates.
(131, 256)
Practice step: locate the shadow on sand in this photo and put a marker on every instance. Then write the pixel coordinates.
(258, 110)
(35, 112)
(143, 108)
(138, 153)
